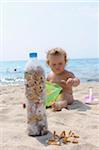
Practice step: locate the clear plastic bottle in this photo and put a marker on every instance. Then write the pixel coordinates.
(35, 93)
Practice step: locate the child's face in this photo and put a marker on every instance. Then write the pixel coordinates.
(57, 63)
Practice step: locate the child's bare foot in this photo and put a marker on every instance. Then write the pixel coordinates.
(55, 107)
(59, 105)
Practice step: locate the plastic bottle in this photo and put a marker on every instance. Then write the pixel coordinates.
(35, 93)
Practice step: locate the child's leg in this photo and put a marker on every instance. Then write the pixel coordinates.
(70, 101)
(69, 98)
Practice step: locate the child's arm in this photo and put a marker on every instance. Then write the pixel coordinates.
(49, 77)
(71, 81)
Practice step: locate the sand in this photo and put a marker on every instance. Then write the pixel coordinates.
(81, 118)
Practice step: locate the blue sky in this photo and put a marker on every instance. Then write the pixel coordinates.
(26, 26)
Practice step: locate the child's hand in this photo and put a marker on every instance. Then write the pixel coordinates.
(67, 83)
(63, 83)
(70, 82)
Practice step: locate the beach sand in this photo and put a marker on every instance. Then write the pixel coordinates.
(81, 118)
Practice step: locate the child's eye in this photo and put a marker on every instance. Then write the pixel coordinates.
(54, 64)
(60, 63)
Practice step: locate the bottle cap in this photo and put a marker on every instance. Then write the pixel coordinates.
(34, 54)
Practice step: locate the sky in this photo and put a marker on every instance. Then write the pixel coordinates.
(39, 26)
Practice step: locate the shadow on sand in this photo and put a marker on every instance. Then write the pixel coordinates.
(43, 139)
(79, 106)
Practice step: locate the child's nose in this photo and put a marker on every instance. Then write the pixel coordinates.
(57, 67)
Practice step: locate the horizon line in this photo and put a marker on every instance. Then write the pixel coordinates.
(45, 59)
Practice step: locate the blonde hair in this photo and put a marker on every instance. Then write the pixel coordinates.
(55, 52)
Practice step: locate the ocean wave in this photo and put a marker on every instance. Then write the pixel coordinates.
(92, 80)
(14, 81)
(10, 81)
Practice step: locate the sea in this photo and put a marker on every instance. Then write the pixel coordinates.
(12, 72)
